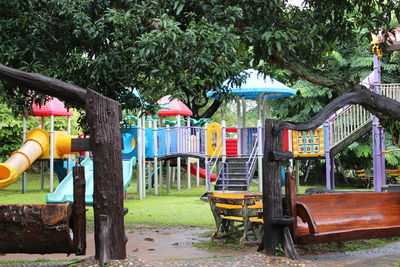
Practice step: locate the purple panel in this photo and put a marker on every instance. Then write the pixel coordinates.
(327, 156)
(376, 133)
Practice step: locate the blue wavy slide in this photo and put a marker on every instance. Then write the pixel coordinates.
(64, 192)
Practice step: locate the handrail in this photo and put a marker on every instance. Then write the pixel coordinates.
(215, 158)
(223, 173)
(340, 128)
(214, 155)
(251, 162)
(347, 122)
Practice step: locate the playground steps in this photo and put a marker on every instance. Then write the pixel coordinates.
(236, 179)
(352, 137)
(353, 122)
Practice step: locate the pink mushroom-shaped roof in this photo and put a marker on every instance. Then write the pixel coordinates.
(52, 107)
(172, 107)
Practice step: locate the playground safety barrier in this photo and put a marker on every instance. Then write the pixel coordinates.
(251, 162)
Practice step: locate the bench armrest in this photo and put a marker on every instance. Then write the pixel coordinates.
(305, 215)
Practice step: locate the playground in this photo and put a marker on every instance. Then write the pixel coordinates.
(139, 180)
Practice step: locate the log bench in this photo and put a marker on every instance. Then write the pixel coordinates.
(343, 216)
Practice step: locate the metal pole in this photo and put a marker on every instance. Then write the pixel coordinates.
(328, 164)
(188, 150)
(69, 133)
(168, 152)
(239, 152)
(160, 174)
(206, 158)
(140, 160)
(383, 147)
(260, 105)
(178, 160)
(297, 175)
(376, 133)
(42, 163)
(223, 141)
(244, 136)
(198, 173)
(51, 153)
(169, 169)
(143, 150)
(263, 106)
(259, 156)
(23, 141)
(155, 144)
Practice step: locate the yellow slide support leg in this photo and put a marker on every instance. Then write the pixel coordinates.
(20, 160)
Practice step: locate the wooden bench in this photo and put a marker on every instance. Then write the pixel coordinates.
(365, 178)
(231, 211)
(343, 216)
(392, 176)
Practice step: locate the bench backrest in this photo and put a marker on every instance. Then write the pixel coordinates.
(353, 210)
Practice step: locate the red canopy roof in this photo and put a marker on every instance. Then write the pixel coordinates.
(173, 107)
(52, 107)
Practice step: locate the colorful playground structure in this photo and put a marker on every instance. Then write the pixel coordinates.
(230, 164)
(241, 153)
(54, 146)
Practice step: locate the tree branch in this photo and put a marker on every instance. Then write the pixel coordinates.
(377, 104)
(212, 109)
(312, 78)
(44, 84)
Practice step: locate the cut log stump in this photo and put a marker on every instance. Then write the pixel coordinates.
(36, 229)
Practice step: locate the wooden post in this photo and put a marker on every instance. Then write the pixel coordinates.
(79, 211)
(272, 199)
(104, 116)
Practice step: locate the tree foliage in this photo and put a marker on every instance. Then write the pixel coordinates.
(111, 47)
(180, 47)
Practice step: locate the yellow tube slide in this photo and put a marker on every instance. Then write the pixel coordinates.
(21, 160)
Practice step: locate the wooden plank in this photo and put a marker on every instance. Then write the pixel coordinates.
(79, 211)
(338, 217)
(103, 117)
(284, 220)
(290, 200)
(281, 155)
(355, 234)
(305, 214)
(80, 145)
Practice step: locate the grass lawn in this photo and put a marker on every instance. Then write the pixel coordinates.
(176, 208)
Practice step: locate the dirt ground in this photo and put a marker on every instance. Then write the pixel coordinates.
(150, 244)
(153, 246)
